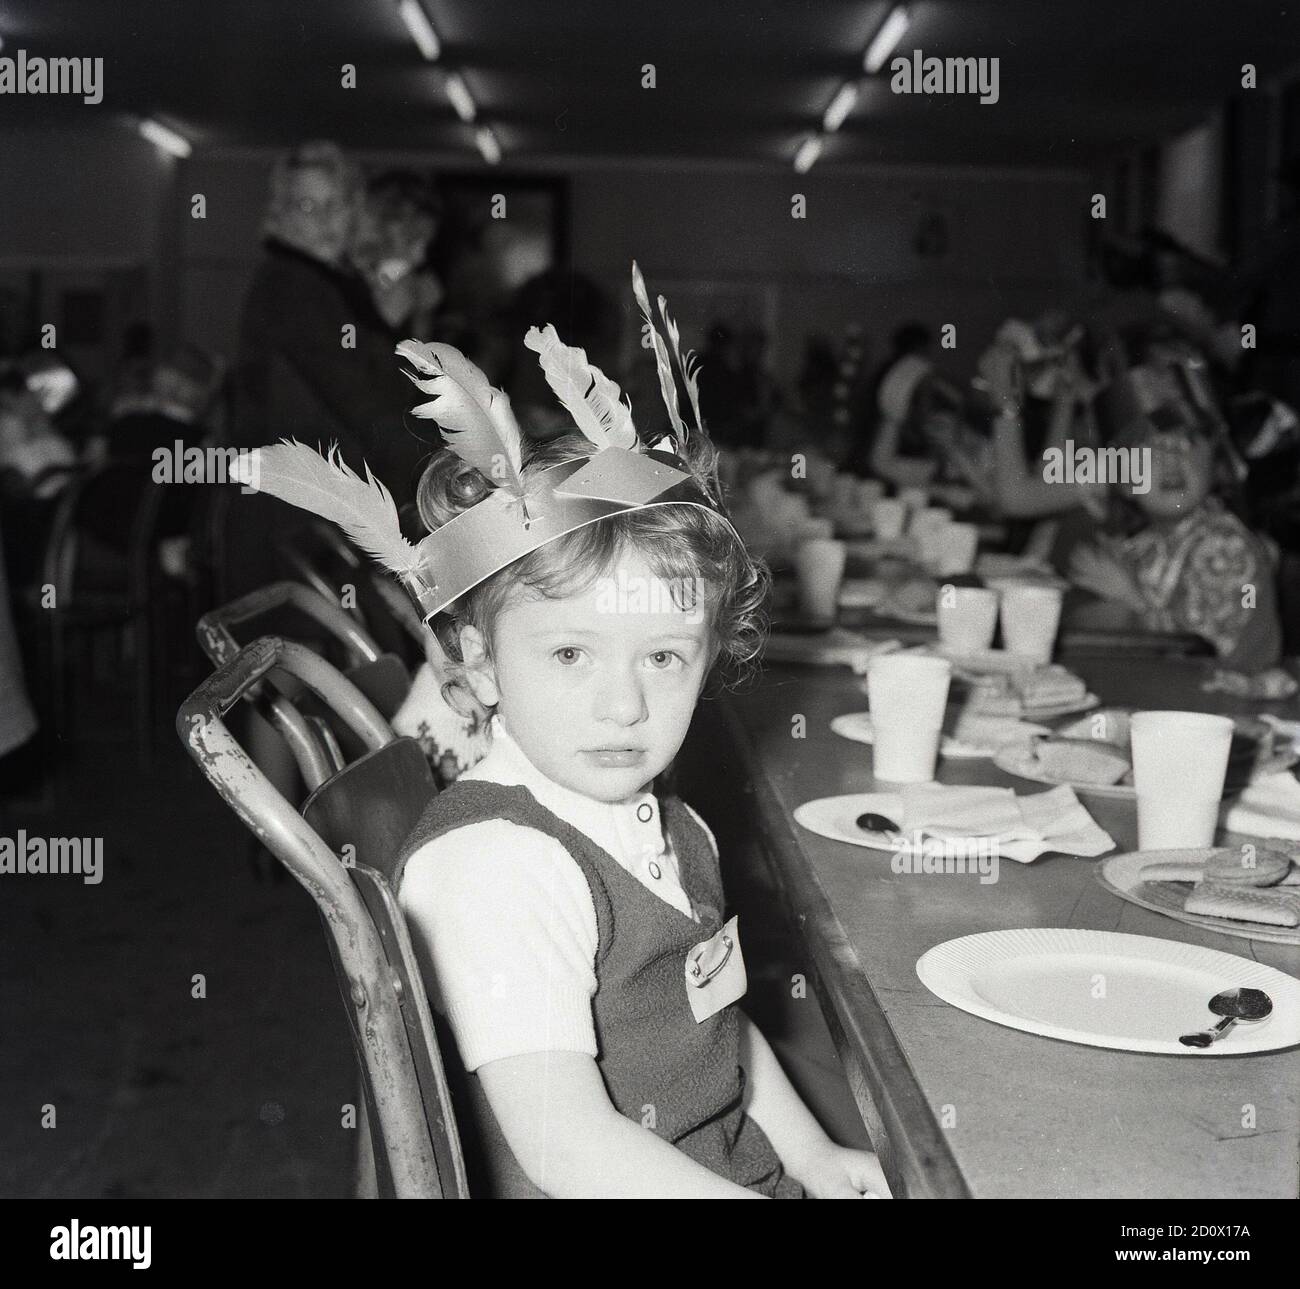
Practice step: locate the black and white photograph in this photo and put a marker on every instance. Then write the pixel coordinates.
(679, 600)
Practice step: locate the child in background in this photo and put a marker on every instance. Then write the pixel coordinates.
(572, 918)
(1195, 567)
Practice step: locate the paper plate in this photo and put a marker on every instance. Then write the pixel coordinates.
(1084, 704)
(1023, 763)
(1133, 993)
(834, 817)
(1122, 876)
(857, 726)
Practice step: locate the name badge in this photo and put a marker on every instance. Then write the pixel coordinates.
(715, 973)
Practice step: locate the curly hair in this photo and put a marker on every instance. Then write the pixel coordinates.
(681, 543)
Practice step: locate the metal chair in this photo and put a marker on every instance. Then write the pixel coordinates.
(122, 603)
(342, 849)
(382, 677)
(320, 556)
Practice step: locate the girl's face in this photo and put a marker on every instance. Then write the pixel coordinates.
(598, 688)
(1181, 475)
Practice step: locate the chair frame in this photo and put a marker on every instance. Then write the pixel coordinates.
(313, 745)
(388, 1008)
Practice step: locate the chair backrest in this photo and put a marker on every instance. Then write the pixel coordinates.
(321, 556)
(369, 806)
(97, 501)
(381, 678)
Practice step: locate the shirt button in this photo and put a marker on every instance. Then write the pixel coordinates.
(645, 812)
(655, 871)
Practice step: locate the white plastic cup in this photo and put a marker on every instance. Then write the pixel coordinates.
(1030, 617)
(956, 545)
(907, 694)
(1179, 763)
(914, 498)
(968, 617)
(888, 515)
(819, 563)
(928, 518)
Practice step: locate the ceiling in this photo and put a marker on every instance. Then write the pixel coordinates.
(737, 80)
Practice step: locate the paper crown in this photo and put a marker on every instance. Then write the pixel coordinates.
(519, 514)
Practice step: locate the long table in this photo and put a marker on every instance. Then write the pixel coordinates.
(956, 1105)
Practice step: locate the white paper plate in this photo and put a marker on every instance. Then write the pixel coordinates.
(834, 817)
(1105, 989)
(1122, 876)
(1084, 704)
(857, 726)
(1023, 762)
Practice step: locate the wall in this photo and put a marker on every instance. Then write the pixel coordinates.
(1015, 239)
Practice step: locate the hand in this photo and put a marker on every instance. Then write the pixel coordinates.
(837, 1172)
(1105, 575)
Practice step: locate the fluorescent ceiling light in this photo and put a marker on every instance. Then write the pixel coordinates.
(809, 150)
(487, 144)
(840, 106)
(890, 33)
(421, 29)
(168, 140)
(456, 89)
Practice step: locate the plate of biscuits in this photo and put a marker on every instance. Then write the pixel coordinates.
(1092, 755)
(1248, 891)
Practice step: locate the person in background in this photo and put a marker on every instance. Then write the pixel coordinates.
(398, 221)
(908, 392)
(315, 356)
(1194, 567)
(722, 391)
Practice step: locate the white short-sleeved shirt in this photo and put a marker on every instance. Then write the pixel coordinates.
(506, 916)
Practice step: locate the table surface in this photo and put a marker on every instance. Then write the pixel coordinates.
(972, 1107)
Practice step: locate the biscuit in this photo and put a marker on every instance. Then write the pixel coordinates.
(1244, 904)
(1247, 866)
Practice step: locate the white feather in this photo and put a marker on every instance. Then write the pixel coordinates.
(363, 509)
(589, 396)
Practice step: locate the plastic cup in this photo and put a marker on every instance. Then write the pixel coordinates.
(929, 517)
(1030, 616)
(956, 545)
(888, 515)
(968, 617)
(914, 498)
(819, 563)
(907, 694)
(1179, 763)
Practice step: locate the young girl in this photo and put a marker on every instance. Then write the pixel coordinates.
(1195, 567)
(572, 918)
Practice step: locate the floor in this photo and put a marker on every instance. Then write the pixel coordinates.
(176, 1030)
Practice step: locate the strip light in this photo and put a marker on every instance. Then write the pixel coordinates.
(487, 144)
(421, 29)
(458, 92)
(168, 140)
(890, 33)
(809, 150)
(840, 106)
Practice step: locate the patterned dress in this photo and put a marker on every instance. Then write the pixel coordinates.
(1209, 575)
